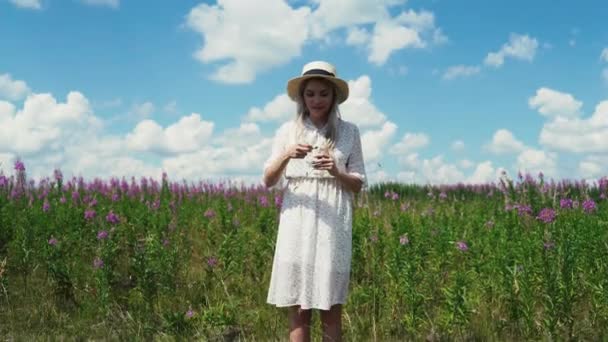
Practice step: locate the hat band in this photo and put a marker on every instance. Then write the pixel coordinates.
(318, 72)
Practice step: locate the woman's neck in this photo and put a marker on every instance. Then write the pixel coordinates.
(319, 122)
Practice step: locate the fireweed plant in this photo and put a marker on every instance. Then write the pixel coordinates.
(517, 259)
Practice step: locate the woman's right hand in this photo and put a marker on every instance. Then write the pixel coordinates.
(298, 151)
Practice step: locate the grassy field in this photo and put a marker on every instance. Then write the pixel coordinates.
(140, 259)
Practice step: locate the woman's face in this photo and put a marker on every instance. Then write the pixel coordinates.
(318, 98)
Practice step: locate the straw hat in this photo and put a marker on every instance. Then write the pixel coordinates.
(318, 69)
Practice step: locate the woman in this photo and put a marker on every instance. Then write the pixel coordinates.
(318, 159)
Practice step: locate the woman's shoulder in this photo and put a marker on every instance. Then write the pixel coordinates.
(348, 126)
(286, 127)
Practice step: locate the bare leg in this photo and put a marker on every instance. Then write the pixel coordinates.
(331, 321)
(299, 324)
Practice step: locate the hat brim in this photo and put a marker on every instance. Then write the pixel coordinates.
(293, 86)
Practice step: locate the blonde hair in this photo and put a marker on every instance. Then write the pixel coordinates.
(331, 133)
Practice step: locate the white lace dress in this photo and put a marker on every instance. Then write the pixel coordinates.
(311, 265)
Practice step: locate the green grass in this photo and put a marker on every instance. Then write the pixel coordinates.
(210, 253)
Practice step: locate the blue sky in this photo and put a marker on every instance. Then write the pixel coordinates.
(443, 91)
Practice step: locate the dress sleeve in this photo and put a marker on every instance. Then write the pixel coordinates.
(355, 164)
(279, 144)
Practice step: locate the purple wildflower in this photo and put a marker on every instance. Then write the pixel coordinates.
(190, 313)
(404, 240)
(263, 200)
(462, 246)
(75, 196)
(102, 234)
(46, 206)
(395, 196)
(62, 200)
(547, 215)
(58, 175)
(89, 214)
(212, 262)
(523, 209)
(53, 241)
(443, 195)
(19, 166)
(589, 206)
(278, 201)
(209, 213)
(98, 263)
(112, 218)
(565, 203)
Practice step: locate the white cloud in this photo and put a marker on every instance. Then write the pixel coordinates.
(388, 37)
(466, 164)
(218, 162)
(379, 176)
(6, 163)
(248, 36)
(280, 108)
(534, 161)
(484, 173)
(593, 166)
(590, 169)
(604, 55)
(43, 124)
(407, 177)
(409, 143)
(12, 89)
(359, 108)
(189, 134)
(374, 141)
(143, 110)
(29, 4)
(401, 70)
(171, 107)
(460, 71)
(504, 142)
(436, 171)
(521, 47)
(335, 14)
(457, 145)
(357, 36)
(578, 135)
(247, 134)
(409, 29)
(108, 3)
(552, 103)
(410, 162)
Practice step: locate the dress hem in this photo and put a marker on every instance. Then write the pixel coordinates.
(306, 306)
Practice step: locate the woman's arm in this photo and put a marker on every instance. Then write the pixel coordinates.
(352, 182)
(273, 172)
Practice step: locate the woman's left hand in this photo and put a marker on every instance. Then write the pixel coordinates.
(325, 162)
